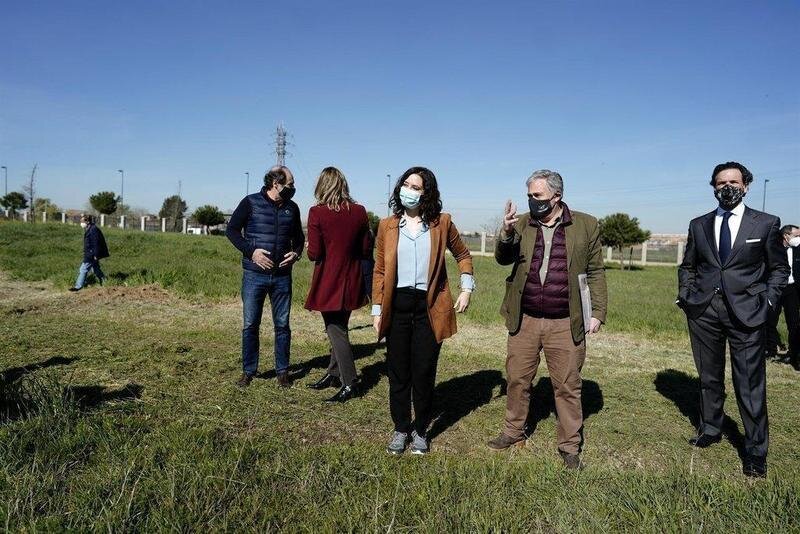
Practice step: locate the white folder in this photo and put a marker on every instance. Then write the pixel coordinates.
(586, 301)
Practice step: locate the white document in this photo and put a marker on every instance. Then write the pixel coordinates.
(586, 301)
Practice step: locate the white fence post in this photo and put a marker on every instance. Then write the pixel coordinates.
(644, 253)
(44, 216)
(122, 221)
(483, 242)
(102, 220)
(163, 224)
(144, 221)
(184, 226)
(25, 216)
(681, 247)
(63, 218)
(609, 254)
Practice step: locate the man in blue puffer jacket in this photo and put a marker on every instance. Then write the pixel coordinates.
(266, 228)
(94, 250)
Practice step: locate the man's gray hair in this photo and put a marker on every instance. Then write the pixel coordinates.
(554, 181)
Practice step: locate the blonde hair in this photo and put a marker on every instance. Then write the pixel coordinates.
(332, 190)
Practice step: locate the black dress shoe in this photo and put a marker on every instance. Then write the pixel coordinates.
(344, 394)
(755, 466)
(327, 381)
(704, 440)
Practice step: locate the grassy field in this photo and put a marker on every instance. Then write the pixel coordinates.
(119, 412)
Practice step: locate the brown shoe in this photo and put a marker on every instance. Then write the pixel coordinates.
(244, 380)
(571, 461)
(284, 381)
(502, 442)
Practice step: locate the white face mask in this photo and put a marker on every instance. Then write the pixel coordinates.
(83, 225)
(795, 241)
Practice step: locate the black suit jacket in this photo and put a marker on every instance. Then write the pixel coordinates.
(753, 276)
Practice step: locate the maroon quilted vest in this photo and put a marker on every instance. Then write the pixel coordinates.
(551, 299)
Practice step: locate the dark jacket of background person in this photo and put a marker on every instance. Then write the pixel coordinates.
(444, 235)
(584, 256)
(94, 244)
(337, 242)
(266, 225)
(753, 275)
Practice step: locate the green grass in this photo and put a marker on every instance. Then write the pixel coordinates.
(119, 413)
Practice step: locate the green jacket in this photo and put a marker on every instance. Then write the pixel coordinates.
(584, 255)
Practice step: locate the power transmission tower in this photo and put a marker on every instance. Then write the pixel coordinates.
(280, 145)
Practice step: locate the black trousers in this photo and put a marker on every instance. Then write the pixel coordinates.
(790, 304)
(341, 363)
(708, 334)
(413, 354)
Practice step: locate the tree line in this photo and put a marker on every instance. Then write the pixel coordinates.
(618, 230)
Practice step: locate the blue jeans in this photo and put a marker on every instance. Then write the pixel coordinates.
(84, 269)
(255, 288)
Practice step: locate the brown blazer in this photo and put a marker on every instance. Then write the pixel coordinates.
(444, 235)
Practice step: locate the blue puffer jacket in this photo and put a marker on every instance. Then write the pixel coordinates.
(259, 222)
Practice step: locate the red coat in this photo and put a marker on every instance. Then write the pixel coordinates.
(337, 242)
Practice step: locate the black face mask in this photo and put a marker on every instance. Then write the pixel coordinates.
(540, 208)
(729, 196)
(286, 193)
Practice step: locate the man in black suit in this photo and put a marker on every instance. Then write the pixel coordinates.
(731, 278)
(790, 299)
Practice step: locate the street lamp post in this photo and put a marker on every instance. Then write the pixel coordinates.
(764, 200)
(247, 188)
(122, 188)
(6, 172)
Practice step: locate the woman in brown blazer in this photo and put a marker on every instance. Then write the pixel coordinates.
(412, 305)
(338, 239)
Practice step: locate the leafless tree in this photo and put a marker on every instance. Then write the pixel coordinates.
(30, 191)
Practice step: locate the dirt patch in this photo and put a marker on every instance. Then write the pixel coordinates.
(106, 295)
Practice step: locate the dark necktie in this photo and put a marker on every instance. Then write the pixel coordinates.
(725, 238)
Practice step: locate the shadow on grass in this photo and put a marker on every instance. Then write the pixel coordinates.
(15, 373)
(88, 397)
(456, 398)
(300, 370)
(684, 391)
(542, 402)
(22, 397)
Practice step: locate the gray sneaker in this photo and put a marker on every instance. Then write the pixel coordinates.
(419, 445)
(398, 443)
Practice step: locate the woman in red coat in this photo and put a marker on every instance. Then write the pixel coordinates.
(338, 238)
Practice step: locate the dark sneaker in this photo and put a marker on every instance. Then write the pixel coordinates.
(571, 461)
(74, 289)
(502, 442)
(244, 380)
(284, 381)
(398, 443)
(419, 444)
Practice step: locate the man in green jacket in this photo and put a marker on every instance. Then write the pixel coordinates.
(554, 251)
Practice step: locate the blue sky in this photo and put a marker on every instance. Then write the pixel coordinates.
(633, 102)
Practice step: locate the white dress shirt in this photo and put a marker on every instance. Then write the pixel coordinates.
(733, 222)
(789, 255)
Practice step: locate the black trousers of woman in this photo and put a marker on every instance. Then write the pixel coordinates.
(342, 363)
(413, 354)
